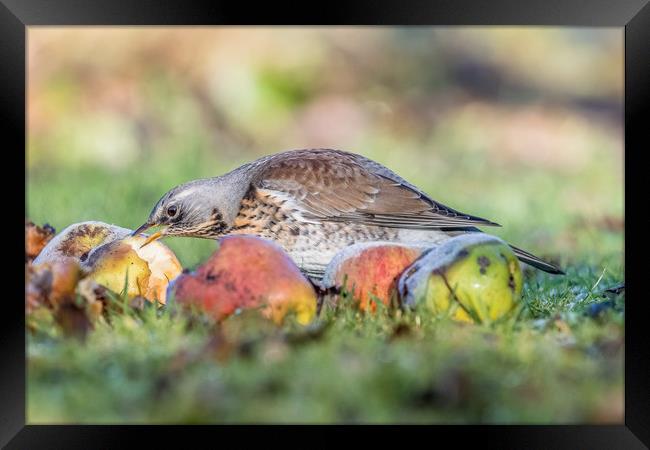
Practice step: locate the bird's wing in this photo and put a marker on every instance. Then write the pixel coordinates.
(332, 185)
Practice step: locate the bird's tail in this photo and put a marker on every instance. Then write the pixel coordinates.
(536, 262)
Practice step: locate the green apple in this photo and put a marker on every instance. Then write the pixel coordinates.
(474, 277)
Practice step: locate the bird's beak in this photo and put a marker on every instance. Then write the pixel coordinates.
(153, 237)
(142, 228)
(157, 235)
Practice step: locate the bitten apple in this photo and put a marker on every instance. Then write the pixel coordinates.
(107, 253)
(78, 239)
(149, 268)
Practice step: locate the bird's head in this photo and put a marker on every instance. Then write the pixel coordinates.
(195, 209)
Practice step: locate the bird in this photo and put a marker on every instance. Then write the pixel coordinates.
(313, 203)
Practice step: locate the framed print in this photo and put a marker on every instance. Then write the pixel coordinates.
(376, 214)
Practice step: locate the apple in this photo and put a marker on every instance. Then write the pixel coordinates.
(117, 266)
(248, 272)
(36, 238)
(51, 284)
(149, 268)
(78, 239)
(106, 253)
(475, 277)
(370, 270)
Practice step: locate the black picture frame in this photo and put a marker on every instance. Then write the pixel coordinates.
(633, 15)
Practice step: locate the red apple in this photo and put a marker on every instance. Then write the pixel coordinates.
(370, 270)
(248, 272)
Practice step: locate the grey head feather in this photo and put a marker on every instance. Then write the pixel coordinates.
(200, 199)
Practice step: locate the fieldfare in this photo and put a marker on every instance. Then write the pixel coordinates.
(313, 203)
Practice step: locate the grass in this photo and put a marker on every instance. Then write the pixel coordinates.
(556, 364)
(560, 361)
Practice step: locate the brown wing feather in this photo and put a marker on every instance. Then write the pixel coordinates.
(339, 186)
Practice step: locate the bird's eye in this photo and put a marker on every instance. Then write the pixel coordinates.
(171, 211)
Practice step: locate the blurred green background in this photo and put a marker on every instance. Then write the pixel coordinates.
(522, 126)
